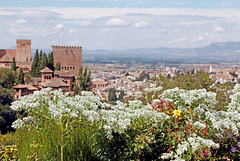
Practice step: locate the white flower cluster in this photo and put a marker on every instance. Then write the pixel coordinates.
(153, 88)
(185, 97)
(48, 104)
(119, 119)
(198, 124)
(192, 144)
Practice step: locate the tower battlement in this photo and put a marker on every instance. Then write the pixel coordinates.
(23, 41)
(66, 47)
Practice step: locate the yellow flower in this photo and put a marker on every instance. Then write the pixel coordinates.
(177, 113)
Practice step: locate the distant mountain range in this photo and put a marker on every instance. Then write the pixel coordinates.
(215, 52)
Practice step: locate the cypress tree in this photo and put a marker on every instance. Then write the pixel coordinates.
(112, 95)
(121, 95)
(40, 60)
(44, 62)
(50, 61)
(88, 82)
(35, 70)
(83, 81)
(20, 77)
(58, 66)
(13, 67)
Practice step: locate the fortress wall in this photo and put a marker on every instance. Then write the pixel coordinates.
(70, 57)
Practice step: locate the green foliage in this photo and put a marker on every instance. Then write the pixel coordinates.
(83, 81)
(7, 78)
(13, 67)
(112, 95)
(40, 60)
(8, 152)
(58, 66)
(7, 116)
(143, 76)
(44, 62)
(20, 77)
(35, 69)
(6, 96)
(121, 95)
(50, 61)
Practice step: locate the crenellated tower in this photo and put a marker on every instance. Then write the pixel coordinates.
(70, 57)
(23, 50)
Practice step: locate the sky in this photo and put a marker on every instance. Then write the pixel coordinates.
(119, 24)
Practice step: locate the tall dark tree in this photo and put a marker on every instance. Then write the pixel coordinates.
(40, 60)
(121, 95)
(13, 67)
(44, 62)
(35, 69)
(20, 77)
(58, 66)
(50, 61)
(112, 95)
(83, 81)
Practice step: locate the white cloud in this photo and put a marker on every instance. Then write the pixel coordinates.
(115, 28)
(218, 29)
(72, 31)
(200, 38)
(78, 12)
(116, 22)
(75, 43)
(85, 23)
(21, 21)
(141, 24)
(58, 27)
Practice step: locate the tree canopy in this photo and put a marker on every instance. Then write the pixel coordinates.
(83, 81)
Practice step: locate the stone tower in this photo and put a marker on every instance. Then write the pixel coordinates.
(70, 58)
(23, 50)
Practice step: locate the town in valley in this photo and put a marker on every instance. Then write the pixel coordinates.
(118, 74)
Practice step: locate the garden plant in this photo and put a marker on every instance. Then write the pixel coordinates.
(175, 125)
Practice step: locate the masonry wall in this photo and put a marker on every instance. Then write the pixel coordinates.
(23, 50)
(69, 57)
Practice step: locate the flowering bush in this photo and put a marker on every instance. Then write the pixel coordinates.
(177, 125)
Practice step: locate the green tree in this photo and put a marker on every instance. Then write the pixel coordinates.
(7, 78)
(7, 115)
(121, 95)
(58, 66)
(13, 67)
(50, 61)
(143, 76)
(40, 60)
(35, 69)
(20, 77)
(44, 62)
(83, 81)
(112, 95)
